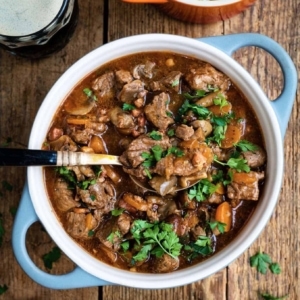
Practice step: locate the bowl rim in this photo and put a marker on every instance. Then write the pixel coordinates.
(260, 104)
(208, 3)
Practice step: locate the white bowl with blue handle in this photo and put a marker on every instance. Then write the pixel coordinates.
(273, 117)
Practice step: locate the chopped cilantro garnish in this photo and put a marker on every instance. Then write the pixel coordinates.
(267, 296)
(3, 289)
(200, 111)
(219, 225)
(239, 164)
(155, 135)
(116, 212)
(90, 94)
(51, 257)
(91, 233)
(156, 239)
(201, 247)
(220, 100)
(202, 190)
(261, 262)
(127, 106)
(244, 145)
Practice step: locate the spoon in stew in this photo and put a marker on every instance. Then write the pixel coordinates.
(33, 157)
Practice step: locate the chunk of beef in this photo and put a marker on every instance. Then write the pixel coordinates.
(206, 75)
(221, 154)
(165, 166)
(184, 132)
(55, 133)
(120, 118)
(63, 196)
(255, 158)
(165, 264)
(108, 233)
(123, 77)
(170, 82)
(100, 195)
(111, 231)
(159, 208)
(104, 84)
(245, 190)
(124, 223)
(144, 70)
(132, 91)
(79, 224)
(81, 136)
(64, 143)
(133, 154)
(157, 112)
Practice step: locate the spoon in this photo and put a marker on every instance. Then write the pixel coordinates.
(32, 157)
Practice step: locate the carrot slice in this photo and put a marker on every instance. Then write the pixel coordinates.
(224, 215)
(232, 136)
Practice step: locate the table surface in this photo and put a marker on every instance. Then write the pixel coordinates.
(24, 84)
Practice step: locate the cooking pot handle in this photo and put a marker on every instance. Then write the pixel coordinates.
(284, 103)
(25, 217)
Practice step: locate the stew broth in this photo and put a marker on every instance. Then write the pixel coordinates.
(171, 119)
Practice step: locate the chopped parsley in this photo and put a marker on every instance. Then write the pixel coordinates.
(220, 100)
(201, 247)
(51, 257)
(91, 233)
(117, 212)
(262, 262)
(156, 239)
(127, 106)
(267, 296)
(219, 225)
(155, 135)
(202, 190)
(3, 289)
(244, 145)
(239, 164)
(90, 94)
(200, 111)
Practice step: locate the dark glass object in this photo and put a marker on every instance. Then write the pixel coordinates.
(48, 40)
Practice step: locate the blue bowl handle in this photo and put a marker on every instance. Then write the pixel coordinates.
(284, 103)
(25, 217)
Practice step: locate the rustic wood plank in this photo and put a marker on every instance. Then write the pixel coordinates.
(23, 86)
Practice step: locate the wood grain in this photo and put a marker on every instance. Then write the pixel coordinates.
(24, 84)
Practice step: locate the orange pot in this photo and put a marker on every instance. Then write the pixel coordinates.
(197, 11)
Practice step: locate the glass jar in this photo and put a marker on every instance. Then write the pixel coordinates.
(37, 28)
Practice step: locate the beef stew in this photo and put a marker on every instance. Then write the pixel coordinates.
(172, 120)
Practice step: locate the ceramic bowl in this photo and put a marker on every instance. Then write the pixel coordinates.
(272, 130)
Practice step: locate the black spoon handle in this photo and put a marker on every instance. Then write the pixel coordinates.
(26, 157)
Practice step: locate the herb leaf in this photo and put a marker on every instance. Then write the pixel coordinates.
(275, 268)
(260, 261)
(155, 135)
(244, 145)
(267, 296)
(202, 190)
(51, 257)
(127, 106)
(3, 289)
(156, 238)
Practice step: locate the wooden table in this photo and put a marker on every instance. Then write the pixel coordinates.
(24, 84)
